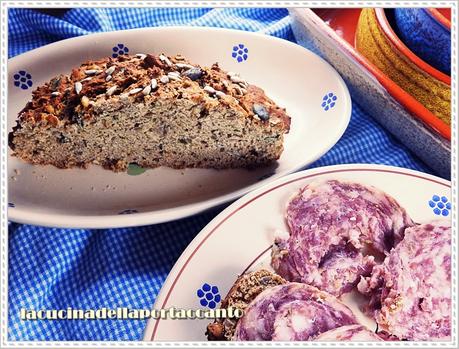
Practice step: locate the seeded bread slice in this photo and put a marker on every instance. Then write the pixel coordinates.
(152, 111)
(244, 291)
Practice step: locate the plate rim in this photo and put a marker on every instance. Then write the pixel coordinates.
(58, 220)
(181, 263)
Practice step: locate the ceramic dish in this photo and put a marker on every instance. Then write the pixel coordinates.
(427, 32)
(331, 34)
(377, 41)
(313, 93)
(239, 239)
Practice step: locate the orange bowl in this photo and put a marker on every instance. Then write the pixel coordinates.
(442, 15)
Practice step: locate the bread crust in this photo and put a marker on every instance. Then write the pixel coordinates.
(244, 290)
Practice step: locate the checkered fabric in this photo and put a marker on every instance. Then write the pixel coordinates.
(87, 269)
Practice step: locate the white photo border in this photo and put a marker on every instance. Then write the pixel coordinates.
(6, 4)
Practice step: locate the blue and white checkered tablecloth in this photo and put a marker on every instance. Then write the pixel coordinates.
(91, 269)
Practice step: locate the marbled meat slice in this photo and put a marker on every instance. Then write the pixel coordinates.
(335, 231)
(292, 312)
(411, 291)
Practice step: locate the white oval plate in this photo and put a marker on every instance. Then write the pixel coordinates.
(294, 77)
(240, 238)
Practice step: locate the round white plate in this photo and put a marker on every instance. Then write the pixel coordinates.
(240, 238)
(314, 95)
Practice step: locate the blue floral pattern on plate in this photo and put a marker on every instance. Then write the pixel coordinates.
(119, 50)
(329, 101)
(209, 296)
(240, 53)
(440, 205)
(23, 79)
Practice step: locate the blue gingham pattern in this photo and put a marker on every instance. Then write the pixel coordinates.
(91, 269)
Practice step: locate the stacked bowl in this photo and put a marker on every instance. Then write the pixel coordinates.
(413, 47)
(427, 32)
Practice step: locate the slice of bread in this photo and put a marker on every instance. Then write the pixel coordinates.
(152, 111)
(244, 290)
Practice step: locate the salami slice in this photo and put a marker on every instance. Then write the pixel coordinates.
(292, 312)
(336, 229)
(411, 291)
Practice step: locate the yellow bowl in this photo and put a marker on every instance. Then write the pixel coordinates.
(376, 40)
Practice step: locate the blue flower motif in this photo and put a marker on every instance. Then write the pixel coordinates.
(240, 53)
(208, 295)
(23, 79)
(329, 101)
(10, 204)
(119, 50)
(129, 211)
(440, 205)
